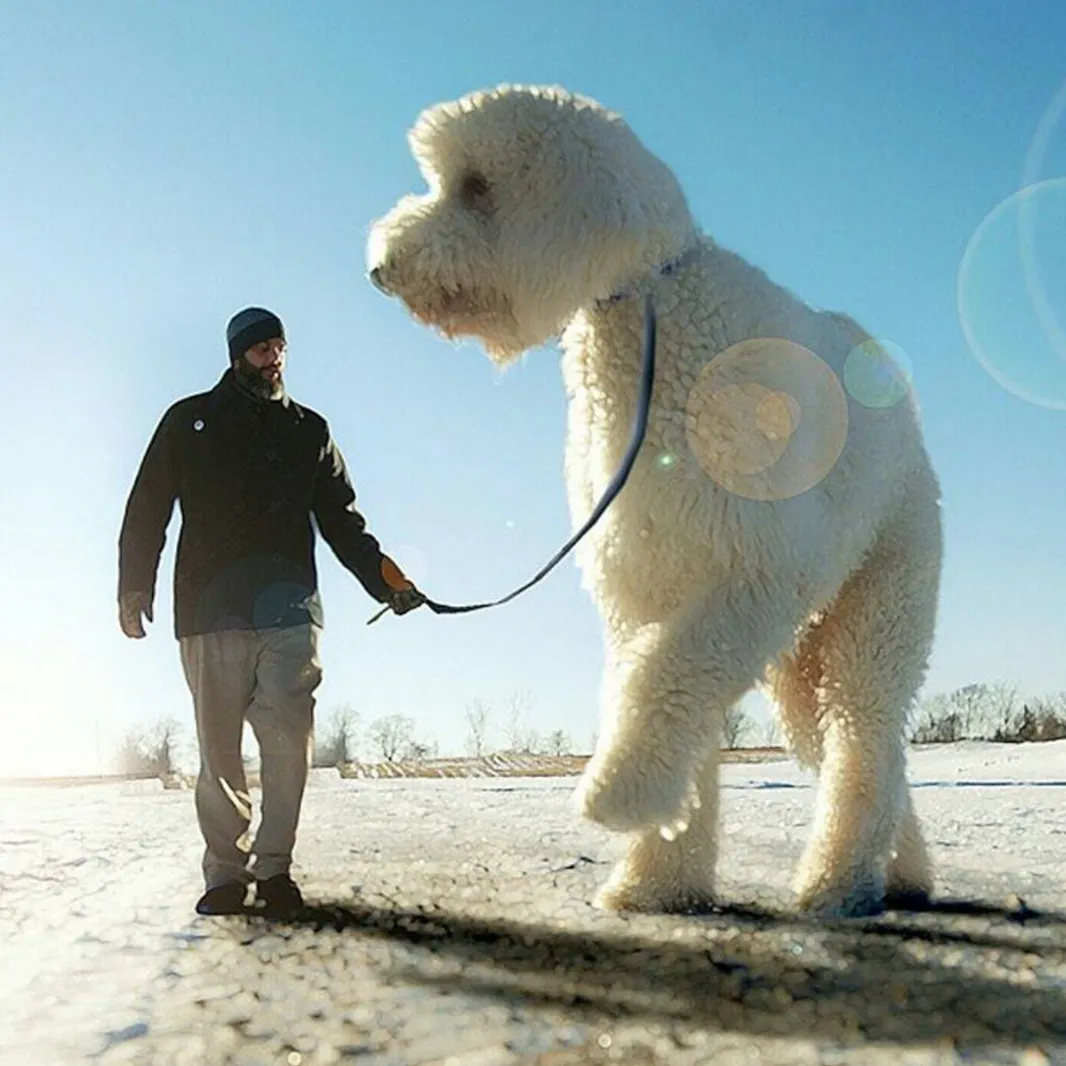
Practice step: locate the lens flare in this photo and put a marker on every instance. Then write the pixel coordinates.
(878, 373)
(767, 419)
(1043, 140)
(1011, 289)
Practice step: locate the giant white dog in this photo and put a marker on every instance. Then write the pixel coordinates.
(781, 526)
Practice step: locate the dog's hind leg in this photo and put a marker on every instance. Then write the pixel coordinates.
(874, 645)
(909, 879)
(797, 684)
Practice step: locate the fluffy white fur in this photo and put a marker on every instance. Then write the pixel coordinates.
(774, 531)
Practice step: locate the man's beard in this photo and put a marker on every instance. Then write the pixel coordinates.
(254, 381)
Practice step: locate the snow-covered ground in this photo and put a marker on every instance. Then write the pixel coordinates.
(452, 925)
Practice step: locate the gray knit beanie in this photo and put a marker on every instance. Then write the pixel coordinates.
(249, 327)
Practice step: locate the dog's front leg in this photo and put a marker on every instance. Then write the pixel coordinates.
(663, 694)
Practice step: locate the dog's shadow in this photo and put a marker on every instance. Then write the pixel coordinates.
(913, 977)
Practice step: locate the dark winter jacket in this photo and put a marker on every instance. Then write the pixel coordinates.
(250, 474)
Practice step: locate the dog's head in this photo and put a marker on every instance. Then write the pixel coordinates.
(539, 202)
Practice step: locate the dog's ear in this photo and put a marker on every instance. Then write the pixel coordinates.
(614, 210)
(625, 206)
(595, 190)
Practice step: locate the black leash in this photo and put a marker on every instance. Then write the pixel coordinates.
(640, 425)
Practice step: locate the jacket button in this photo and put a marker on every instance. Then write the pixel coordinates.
(272, 456)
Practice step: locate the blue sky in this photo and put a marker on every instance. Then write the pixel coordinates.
(165, 164)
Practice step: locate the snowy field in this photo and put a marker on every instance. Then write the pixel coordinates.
(450, 923)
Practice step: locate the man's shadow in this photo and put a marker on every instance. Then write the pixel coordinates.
(908, 977)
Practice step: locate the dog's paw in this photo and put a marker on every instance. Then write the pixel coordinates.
(860, 898)
(626, 795)
(908, 887)
(908, 899)
(643, 898)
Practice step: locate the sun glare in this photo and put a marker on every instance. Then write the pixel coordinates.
(39, 749)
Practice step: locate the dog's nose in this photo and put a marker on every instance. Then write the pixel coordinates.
(377, 279)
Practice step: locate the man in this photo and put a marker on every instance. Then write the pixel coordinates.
(251, 468)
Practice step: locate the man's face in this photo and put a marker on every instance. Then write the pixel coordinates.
(263, 364)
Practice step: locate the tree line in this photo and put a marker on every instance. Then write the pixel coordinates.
(994, 711)
(980, 711)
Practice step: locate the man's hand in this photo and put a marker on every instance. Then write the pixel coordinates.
(403, 600)
(403, 596)
(131, 607)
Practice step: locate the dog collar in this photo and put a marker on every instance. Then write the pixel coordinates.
(662, 270)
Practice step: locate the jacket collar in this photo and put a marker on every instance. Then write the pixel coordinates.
(229, 384)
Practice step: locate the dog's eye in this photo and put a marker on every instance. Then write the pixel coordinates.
(476, 192)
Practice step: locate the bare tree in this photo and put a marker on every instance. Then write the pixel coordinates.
(520, 737)
(150, 751)
(771, 732)
(975, 711)
(937, 721)
(734, 726)
(1040, 719)
(1055, 704)
(420, 751)
(1000, 710)
(970, 704)
(334, 742)
(1052, 713)
(557, 743)
(943, 718)
(391, 736)
(477, 724)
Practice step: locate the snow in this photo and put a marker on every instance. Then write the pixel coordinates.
(103, 956)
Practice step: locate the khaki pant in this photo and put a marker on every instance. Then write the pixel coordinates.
(267, 678)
